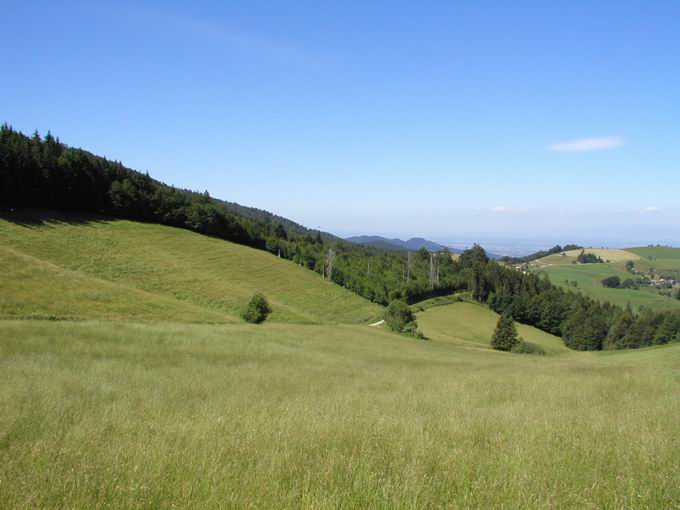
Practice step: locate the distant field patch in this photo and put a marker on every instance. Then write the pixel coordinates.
(606, 254)
(588, 278)
(657, 252)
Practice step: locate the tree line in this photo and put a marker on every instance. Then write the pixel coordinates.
(583, 323)
(42, 173)
(540, 254)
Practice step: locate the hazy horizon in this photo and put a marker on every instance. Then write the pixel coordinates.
(447, 121)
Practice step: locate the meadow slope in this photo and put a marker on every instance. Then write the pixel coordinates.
(563, 271)
(83, 267)
(135, 405)
(471, 324)
(116, 415)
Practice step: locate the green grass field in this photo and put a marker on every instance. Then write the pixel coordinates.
(157, 397)
(658, 252)
(115, 415)
(469, 324)
(589, 278)
(115, 269)
(658, 259)
(614, 256)
(561, 269)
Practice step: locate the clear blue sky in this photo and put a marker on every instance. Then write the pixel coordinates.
(444, 119)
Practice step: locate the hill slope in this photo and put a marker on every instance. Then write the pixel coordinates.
(607, 254)
(92, 267)
(118, 415)
(472, 325)
(564, 271)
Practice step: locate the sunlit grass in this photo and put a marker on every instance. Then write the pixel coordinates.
(97, 415)
(73, 266)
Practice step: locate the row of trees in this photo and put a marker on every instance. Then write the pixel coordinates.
(540, 254)
(614, 282)
(583, 323)
(42, 173)
(588, 258)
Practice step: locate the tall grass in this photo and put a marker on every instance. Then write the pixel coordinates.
(111, 415)
(93, 268)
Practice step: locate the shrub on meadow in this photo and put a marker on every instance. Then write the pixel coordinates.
(524, 347)
(400, 318)
(257, 309)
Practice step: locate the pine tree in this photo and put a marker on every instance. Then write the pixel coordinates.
(620, 328)
(505, 336)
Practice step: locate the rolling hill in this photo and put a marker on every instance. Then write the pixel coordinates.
(148, 391)
(116, 414)
(412, 244)
(470, 324)
(563, 270)
(93, 267)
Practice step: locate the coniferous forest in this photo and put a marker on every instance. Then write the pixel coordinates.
(42, 173)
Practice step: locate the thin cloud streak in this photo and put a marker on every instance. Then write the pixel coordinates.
(220, 37)
(588, 144)
(506, 209)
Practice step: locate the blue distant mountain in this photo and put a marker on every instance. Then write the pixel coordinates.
(413, 244)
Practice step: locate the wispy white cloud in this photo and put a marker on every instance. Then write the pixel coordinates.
(588, 144)
(216, 34)
(649, 209)
(506, 209)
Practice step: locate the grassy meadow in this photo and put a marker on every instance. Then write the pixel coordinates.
(79, 267)
(660, 259)
(470, 324)
(149, 392)
(561, 269)
(111, 415)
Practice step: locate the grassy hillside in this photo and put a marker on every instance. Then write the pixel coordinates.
(659, 260)
(96, 415)
(88, 267)
(561, 269)
(606, 254)
(143, 408)
(472, 324)
(658, 253)
(589, 278)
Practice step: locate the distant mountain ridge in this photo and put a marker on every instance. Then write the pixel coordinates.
(412, 244)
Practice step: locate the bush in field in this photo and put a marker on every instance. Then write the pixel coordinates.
(505, 336)
(257, 310)
(400, 318)
(611, 282)
(524, 347)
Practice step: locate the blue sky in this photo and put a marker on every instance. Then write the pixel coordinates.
(452, 120)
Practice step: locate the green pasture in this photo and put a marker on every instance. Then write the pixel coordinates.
(170, 415)
(79, 267)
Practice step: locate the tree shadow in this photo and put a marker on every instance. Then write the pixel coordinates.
(34, 218)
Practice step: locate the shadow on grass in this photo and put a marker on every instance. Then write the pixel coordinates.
(33, 218)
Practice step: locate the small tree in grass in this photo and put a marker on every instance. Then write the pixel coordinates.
(505, 336)
(400, 318)
(257, 309)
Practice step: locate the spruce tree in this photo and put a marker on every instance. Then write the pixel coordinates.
(505, 336)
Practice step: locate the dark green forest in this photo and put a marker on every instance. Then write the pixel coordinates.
(42, 173)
